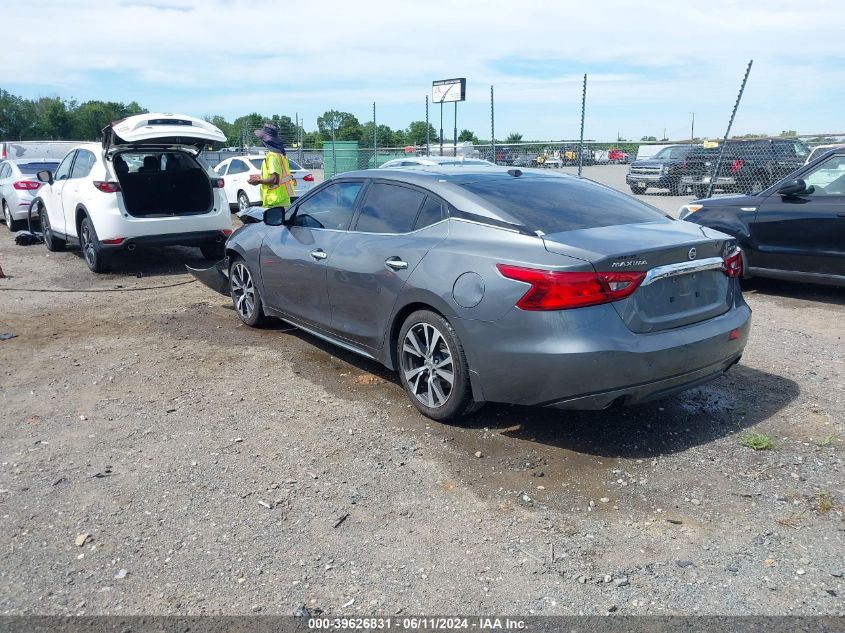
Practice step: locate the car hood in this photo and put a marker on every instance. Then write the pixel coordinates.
(731, 201)
(161, 129)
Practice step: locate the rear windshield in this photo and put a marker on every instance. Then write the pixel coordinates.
(33, 168)
(552, 205)
(257, 163)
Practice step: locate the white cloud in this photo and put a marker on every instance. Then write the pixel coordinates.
(237, 56)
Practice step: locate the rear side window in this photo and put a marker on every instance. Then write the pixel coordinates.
(294, 166)
(256, 162)
(221, 170)
(552, 205)
(431, 212)
(237, 167)
(30, 169)
(82, 166)
(389, 209)
(5, 170)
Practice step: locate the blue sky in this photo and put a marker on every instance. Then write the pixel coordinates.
(649, 66)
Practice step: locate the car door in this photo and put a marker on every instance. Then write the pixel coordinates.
(73, 193)
(293, 256)
(51, 194)
(395, 227)
(236, 180)
(806, 232)
(5, 182)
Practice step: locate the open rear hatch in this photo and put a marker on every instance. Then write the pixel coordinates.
(161, 130)
(683, 264)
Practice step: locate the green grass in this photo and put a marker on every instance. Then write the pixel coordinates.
(758, 442)
(825, 502)
(826, 441)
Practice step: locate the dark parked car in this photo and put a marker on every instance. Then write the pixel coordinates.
(746, 167)
(662, 171)
(794, 229)
(495, 284)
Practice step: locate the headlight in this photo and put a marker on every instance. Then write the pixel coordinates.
(688, 209)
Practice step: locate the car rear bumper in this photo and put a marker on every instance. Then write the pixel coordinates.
(721, 181)
(193, 238)
(589, 359)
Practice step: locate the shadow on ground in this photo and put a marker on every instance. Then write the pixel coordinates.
(163, 261)
(794, 290)
(735, 401)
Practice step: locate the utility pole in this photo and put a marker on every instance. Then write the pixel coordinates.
(692, 127)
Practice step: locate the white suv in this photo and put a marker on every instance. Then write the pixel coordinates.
(143, 186)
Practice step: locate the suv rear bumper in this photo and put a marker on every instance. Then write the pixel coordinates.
(652, 180)
(193, 238)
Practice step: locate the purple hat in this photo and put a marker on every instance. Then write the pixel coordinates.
(269, 135)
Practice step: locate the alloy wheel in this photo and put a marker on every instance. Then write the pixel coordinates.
(243, 290)
(243, 202)
(88, 245)
(427, 365)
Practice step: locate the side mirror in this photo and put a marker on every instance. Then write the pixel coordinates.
(793, 187)
(274, 216)
(45, 176)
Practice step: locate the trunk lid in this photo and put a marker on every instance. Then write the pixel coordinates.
(684, 282)
(162, 130)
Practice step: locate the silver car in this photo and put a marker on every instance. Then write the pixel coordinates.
(432, 161)
(496, 285)
(18, 186)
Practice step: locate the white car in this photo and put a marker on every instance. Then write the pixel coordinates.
(143, 186)
(429, 161)
(235, 172)
(18, 187)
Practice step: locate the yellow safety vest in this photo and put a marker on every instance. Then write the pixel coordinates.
(277, 195)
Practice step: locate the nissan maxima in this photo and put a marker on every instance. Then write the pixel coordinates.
(496, 285)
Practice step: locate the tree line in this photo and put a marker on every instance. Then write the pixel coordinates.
(53, 118)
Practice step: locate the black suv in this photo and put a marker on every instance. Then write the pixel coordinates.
(663, 170)
(746, 167)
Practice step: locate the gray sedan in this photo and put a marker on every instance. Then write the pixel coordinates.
(496, 285)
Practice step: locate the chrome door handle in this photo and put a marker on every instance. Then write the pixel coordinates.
(319, 254)
(396, 264)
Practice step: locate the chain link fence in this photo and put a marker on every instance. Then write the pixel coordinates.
(682, 167)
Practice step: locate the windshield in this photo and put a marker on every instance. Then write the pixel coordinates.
(552, 205)
(30, 169)
(672, 152)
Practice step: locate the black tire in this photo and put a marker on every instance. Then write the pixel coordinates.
(677, 188)
(638, 191)
(424, 356)
(700, 191)
(243, 201)
(52, 242)
(215, 251)
(245, 295)
(13, 225)
(92, 249)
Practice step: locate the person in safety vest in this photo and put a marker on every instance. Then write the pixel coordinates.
(276, 182)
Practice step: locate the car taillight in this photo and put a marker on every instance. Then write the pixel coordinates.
(560, 290)
(107, 186)
(736, 165)
(733, 264)
(114, 241)
(227, 232)
(308, 178)
(218, 183)
(683, 165)
(26, 185)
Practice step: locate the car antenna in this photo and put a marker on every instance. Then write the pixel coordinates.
(516, 173)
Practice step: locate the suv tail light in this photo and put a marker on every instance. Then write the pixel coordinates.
(733, 264)
(218, 183)
(107, 186)
(560, 290)
(308, 178)
(26, 185)
(736, 165)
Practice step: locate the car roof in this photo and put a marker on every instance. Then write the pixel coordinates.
(446, 182)
(24, 161)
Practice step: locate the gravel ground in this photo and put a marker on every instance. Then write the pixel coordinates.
(159, 458)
